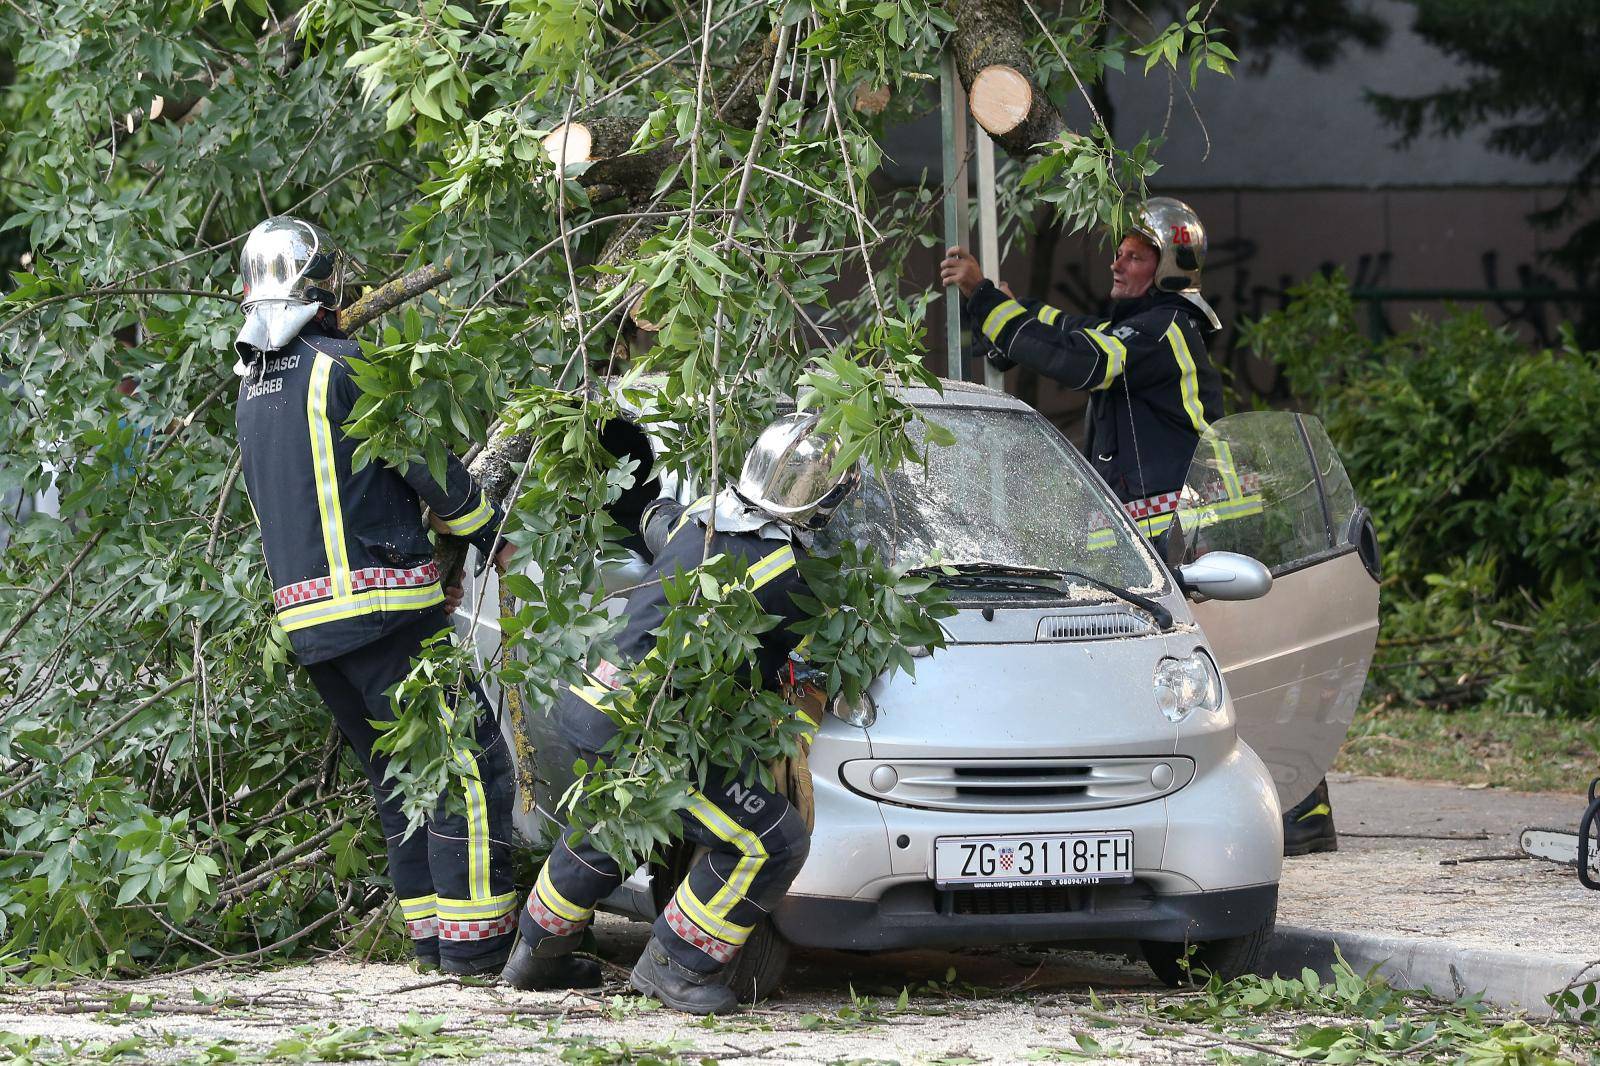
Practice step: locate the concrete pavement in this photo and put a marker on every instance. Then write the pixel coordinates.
(1428, 887)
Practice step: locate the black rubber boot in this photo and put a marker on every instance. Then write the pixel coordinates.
(427, 954)
(1308, 825)
(678, 987)
(533, 972)
(483, 964)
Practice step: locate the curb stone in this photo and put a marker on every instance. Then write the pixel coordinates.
(1446, 969)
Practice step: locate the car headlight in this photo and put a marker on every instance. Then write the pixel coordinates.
(860, 713)
(1183, 686)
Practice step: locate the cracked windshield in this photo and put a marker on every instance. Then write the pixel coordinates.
(1008, 492)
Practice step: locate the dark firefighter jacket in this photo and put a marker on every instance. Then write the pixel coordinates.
(1152, 387)
(347, 550)
(677, 543)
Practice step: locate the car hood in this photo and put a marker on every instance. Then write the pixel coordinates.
(1031, 698)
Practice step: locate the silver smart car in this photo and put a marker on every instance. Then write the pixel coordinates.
(1103, 750)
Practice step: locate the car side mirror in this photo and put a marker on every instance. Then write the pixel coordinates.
(1225, 576)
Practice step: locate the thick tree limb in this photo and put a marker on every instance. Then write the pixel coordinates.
(495, 470)
(990, 45)
(603, 142)
(387, 297)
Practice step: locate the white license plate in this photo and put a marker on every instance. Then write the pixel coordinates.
(1033, 860)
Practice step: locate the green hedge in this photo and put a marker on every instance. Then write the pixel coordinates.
(1480, 461)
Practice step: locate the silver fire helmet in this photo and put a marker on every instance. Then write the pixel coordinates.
(1180, 238)
(290, 270)
(789, 473)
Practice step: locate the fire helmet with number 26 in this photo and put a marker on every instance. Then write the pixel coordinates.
(789, 473)
(1180, 239)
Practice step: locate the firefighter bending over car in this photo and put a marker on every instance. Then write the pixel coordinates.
(756, 840)
(1152, 387)
(356, 588)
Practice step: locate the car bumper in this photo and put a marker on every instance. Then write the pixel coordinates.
(919, 916)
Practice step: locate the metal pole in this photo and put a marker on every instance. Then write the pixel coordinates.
(988, 235)
(953, 118)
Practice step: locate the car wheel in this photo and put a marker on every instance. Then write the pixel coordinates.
(758, 968)
(1178, 965)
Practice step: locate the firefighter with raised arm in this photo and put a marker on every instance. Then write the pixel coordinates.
(356, 589)
(1152, 387)
(756, 840)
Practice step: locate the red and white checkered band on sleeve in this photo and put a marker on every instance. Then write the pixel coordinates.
(694, 936)
(1151, 506)
(477, 929)
(371, 577)
(608, 674)
(549, 920)
(422, 928)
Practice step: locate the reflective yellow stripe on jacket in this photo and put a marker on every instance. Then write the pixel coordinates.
(1189, 378)
(1115, 351)
(467, 524)
(326, 474)
(1000, 317)
(344, 603)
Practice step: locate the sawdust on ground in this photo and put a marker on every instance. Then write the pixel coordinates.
(836, 1008)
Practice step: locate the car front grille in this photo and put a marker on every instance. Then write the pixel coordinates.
(1018, 785)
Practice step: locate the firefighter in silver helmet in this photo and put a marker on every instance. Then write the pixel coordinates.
(355, 587)
(755, 838)
(1151, 384)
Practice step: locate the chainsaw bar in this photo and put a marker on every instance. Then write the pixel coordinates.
(1558, 846)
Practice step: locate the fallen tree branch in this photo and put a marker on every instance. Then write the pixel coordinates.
(247, 956)
(153, 463)
(387, 297)
(247, 881)
(89, 742)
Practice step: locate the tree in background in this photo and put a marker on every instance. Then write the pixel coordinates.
(546, 194)
(1477, 458)
(1536, 86)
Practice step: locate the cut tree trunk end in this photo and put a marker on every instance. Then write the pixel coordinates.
(1000, 99)
(990, 46)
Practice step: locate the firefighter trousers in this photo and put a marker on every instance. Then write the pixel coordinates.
(755, 844)
(453, 876)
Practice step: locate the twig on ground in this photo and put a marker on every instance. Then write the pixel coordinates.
(1480, 835)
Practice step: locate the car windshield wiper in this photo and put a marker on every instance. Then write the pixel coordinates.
(991, 583)
(992, 577)
(986, 573)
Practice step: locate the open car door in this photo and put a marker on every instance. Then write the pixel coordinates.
(1268, 484)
